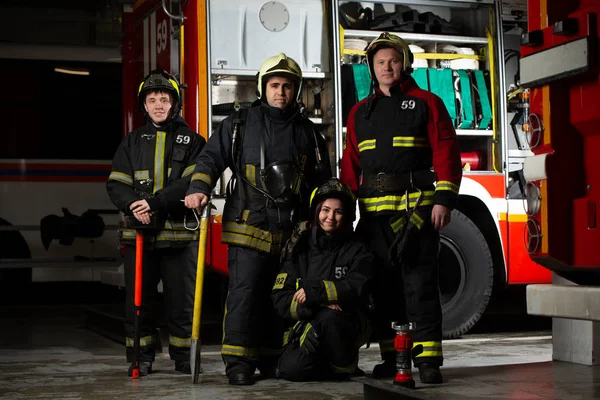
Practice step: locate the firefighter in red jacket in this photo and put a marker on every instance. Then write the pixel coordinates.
(394, 138)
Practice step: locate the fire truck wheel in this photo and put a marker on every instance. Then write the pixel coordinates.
(466, 275)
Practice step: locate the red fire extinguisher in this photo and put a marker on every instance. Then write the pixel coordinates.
(403, 344)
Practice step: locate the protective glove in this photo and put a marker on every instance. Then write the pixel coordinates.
(302, 228)
(310, 344)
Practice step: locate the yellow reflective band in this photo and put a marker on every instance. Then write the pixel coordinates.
(245, 229)
(280, 281)
(367, 145)
(166, 235)
(415, 219)
(159, 161)
(294, 309)
(188, 170)
(175, 86)
(251, 173)
(395, 203)
(307, 328)
(244, 240)
(286, 336)
(426, 353)
(224, 319)
(387, 346)
(242, 234)
(331, 291)
(229, 350)
(410, 141)
(144, 341)
(446, 185)
(430, 349)
(121, 177)
(169, 172)
(199, 176)
(141, 175)
(398, 224)
(344, 370)
(180, 342)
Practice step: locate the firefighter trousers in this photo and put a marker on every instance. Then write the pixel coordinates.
(253, 331)
(336, 354)
(407, 292)
(177, 269)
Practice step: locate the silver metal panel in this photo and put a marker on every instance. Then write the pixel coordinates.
(420, 37)
(209, 76)
(337, 83)
(437, 3)
(555, 63)
(501, 116)
(247, 72)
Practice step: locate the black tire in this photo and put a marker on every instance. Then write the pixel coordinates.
(466, 275)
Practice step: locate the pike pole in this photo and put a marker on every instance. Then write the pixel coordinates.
(195, 347)
(137, 302)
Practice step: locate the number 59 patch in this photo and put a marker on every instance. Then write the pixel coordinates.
(280, 281)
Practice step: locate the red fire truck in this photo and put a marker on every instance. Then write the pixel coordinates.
(559, 64)
(462, 52)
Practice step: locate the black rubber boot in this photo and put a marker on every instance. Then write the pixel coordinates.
(430, 373)
(387, 369)
(183, 366)
(240, 377)
(145, 368)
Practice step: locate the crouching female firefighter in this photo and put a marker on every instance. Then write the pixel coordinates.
(276, 156)
(322, 291)
(394, 139)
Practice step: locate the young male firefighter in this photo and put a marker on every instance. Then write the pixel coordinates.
(276, 156)
(322, 291)
(150, 175)
(394, 138)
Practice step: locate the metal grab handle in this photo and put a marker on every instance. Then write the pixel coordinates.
(197, 221)
(172, 16)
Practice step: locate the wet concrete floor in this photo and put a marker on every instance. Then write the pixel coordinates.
(47, 353)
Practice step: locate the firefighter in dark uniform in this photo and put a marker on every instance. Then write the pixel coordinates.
(322, 291)
(150, 175)
(394, 138)
(276, 156)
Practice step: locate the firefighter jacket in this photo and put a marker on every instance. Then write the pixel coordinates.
(333, 269)
(249, 218)
(408, 131)
(156, 164)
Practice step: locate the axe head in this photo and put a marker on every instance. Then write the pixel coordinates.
(195, 361)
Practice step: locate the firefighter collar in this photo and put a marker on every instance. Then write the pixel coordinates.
(277, 114)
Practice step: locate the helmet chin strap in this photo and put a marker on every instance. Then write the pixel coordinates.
(170, 118)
